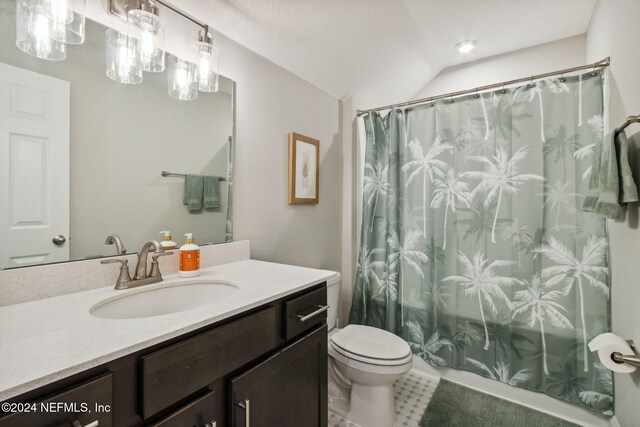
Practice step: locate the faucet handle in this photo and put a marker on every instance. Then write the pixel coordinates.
(124, 276)
(155, 255)
(155, 265)
(115, 261)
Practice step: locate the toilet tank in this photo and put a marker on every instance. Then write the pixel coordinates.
(333, 299)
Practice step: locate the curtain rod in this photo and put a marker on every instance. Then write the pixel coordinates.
(604, 63)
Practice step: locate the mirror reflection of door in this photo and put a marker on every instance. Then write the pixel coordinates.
(34, 168)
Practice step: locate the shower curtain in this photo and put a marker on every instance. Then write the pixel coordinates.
(473, 244)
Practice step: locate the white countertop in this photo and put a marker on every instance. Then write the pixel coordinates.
(45, 340)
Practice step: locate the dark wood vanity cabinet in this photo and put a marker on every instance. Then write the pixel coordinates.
(267, 366)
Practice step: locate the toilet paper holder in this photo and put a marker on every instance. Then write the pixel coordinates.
(633, 360)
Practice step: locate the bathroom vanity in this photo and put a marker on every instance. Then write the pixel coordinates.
(256, 358)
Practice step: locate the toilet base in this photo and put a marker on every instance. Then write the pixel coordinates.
(372, 405)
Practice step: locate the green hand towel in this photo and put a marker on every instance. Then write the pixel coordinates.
(611, 184)
(629, 192)
(211, 197)
(193, 188)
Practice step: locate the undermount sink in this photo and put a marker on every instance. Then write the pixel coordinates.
(166, 299)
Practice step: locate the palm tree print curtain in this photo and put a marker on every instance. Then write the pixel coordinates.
(474, 247)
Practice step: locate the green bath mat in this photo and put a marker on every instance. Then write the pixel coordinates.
(453, 405)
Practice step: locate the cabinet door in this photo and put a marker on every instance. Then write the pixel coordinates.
(287, 390)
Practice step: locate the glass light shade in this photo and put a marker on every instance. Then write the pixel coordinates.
(123, 60)
(34, 32)
(67, 19)
(148, 28)
(208, 67)
(183, 79)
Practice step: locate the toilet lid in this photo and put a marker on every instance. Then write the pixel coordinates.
(371, 343)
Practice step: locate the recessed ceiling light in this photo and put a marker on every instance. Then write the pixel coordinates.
(466, 46)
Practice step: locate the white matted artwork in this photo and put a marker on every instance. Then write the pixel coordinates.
(304, 168)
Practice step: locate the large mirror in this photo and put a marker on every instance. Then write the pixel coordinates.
(82, 156)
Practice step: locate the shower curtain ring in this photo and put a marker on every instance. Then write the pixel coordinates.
(531, 85)
(594, 72)
(451, 101)
(477, 95)
(503, 89)
(562, 79)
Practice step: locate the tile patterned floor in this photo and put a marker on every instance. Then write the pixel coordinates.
(412, 393)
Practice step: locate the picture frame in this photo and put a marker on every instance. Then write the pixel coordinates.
(304, 169)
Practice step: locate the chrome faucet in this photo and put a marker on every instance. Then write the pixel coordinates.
(140, 278)
(115, 239)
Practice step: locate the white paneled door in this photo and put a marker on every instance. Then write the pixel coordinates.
(34, 168)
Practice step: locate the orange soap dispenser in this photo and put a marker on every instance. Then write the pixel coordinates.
(189, 258)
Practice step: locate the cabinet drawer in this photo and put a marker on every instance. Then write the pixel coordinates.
(197, 413)
(95, 395)
(182, 369)
(305, 312)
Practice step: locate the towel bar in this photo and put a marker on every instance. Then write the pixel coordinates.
(630, 119)
(181, 175)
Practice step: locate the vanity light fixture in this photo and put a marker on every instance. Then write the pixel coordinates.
(208, 76)
(466, 46)
(68, 19)
(45, 27)
(183, 81)
(146, 26)
(185, 78)
(123, 58)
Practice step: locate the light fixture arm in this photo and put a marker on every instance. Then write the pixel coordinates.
(119, 9)
(185, 15)
(205, 36)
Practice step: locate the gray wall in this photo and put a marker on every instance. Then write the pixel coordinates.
(271, 102)
(122, 137)
(614, 31)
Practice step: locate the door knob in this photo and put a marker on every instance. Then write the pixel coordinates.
(59, 240)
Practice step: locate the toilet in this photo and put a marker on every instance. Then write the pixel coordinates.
(367, 361)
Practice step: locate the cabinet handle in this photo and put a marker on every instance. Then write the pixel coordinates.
(321, 309)
(77, 423)
(247, 412)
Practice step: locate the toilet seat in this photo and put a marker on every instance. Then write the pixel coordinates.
(371, 346)
(372, 366)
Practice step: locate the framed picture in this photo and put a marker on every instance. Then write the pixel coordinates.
(304, 169)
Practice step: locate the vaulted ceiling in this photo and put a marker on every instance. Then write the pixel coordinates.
(386, 50)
